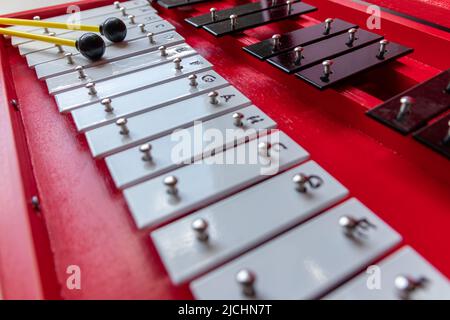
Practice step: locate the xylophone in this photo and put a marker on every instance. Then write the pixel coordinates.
(344, 127)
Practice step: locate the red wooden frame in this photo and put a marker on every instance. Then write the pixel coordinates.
(84, 219)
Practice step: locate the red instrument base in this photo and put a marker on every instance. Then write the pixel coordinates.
(84, 220)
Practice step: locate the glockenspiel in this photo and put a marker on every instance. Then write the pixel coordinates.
(228, 150)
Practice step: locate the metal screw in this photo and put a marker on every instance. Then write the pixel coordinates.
(233, 21)
(193, 80)
(60, 48)
(200, 227)
(298, 55)
(171, 183)
(81, 73)
(237, 119)
(150, 37)
(163, 51)
(122, 123)
(107, 104)
(276, 41)
(246, 280)
(69, 58)
(213, 14)
(213, 97)
(328, 23)
(382, 50)
(146, 149)
(405, 106)
(177, 62)
(91, 88)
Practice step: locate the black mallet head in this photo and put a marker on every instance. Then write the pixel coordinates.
(114, 29)
(91, 46)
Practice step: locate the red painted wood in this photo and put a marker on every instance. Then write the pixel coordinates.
(404, 182)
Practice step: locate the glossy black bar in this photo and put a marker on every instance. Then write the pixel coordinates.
(242, 10)
(258, 19)
(351, 64)
(436, 136)
(317, 52)
(430, 99)
(301, 37)
(178, 3)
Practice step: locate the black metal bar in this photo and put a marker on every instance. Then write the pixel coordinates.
(169, 4)
(430, 99)
(301, 37)
(242, 10)
(258, 19)
(351, 64)
(436, 136)
(317, 52)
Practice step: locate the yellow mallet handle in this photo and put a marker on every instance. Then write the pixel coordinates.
(89, 44)
(39, 37)
(113, 29)
(48, 24)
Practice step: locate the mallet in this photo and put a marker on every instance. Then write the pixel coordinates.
(89, 44)
(113, 29)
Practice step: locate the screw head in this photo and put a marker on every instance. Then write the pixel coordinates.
(121, 121)
(407, 100)
(245, 277)
(170, 181)
(199, 225)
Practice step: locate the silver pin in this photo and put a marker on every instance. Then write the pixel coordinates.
(91, 88)
(237, 119)
(36, 18)
(382, 50)
(107, 104)
(289, 6)
(52, 34)
(326, 69)
(132, 19)
(122, 123)
(355, 227)
(406, 103)
(81, 73)
(328, 23)
(246, 279)
(213, 12)
(124, 11)
(193, 80)
(146, 149)
(59, 47)
(162, 51)
(200, 227)
(298, 55)
(117, 4)
(46, 30)
(69, 57)
(171, 183)
(264, 149)
(142, 27)
(351, 36)
(150, 37)
(233, 21)
(447, 137)
(406, 285)
(213, 97)
(276, 41)
(177, 62)
(301, 181)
